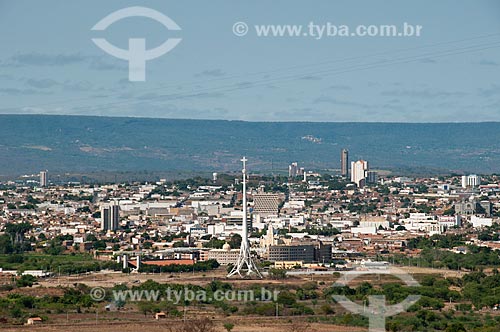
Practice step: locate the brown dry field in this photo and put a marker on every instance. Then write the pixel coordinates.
(129, 320)
(241, 325)
(107, 279)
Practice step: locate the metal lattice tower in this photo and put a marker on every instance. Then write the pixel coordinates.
(245, 266)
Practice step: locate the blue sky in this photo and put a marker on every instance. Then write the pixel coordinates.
(49, 65)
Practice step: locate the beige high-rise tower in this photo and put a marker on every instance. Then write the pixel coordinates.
(43, 179)
(344, 163)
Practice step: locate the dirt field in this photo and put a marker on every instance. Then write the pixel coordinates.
(241, 325)
(131, 320)
(109, 279)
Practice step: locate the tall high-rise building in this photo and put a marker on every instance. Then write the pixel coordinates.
(293, 170)
(344, 163)
(266, 204)
(472, 181)
(43, 179)
(371, 176)
(358, 172)
(110, 217)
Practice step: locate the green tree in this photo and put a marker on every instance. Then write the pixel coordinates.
(91, 238)
(235, 241)
(26, 280)
(17, 231)
(214, 243)
(228, 326)
(179, 244)
(286, 298)
(99, 244)
(6, 245)
(277, 273)
(455, 327)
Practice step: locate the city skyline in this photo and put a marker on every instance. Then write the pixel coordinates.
(370, 136)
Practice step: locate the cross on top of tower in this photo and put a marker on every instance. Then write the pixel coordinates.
(244, 160)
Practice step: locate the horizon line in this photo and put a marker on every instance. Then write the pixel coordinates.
(246, 121)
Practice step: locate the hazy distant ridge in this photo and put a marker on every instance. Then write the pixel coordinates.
(29, 143)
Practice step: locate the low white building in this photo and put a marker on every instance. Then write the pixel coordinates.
(224, 256)
(478, 222)
(374, 223)
(430, 227)
(449, 221)
(37, 273)
(364, 230)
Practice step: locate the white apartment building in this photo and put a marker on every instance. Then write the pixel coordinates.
(471, 181)
(358, 172)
